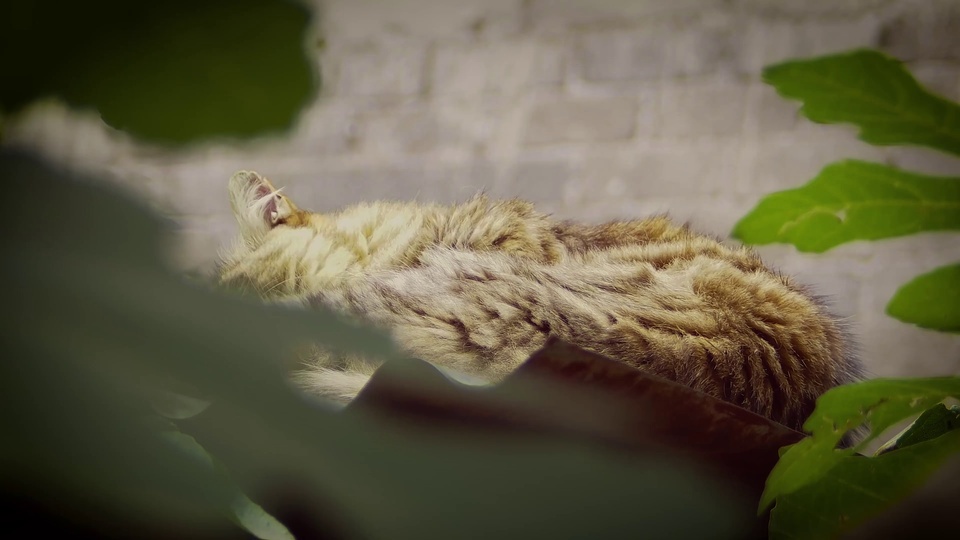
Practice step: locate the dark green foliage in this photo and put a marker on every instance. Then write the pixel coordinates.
(174, 71)
(96, 326)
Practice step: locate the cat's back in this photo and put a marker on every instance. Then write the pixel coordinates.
(648, 292)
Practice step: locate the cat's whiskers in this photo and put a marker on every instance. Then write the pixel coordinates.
(279, 284)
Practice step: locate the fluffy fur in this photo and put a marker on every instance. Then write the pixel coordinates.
(477, 287)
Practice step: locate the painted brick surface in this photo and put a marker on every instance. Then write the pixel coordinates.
(593, 109)
(581, 120)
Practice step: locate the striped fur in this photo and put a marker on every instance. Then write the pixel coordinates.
(477, 287)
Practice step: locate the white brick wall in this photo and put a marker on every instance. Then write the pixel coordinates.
(594, 109)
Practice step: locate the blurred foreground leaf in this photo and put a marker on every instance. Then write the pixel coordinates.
(249, 515)
(853, 200)
(97, 326)
(931, 300)
(173, 71)
(873, 92)
(565, 390)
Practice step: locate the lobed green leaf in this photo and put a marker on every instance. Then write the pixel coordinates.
(931, 300)
(872, 91)
(853, 200)
(934, 422)
(879, 402)
(858, 488)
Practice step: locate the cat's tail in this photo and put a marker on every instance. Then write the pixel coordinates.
(342, 383)
(338, 385)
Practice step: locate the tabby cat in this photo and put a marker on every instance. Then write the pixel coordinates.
(477, 287)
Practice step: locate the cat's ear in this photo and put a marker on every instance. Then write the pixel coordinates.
(257, 205)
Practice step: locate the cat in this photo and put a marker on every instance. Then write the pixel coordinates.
(477, 287)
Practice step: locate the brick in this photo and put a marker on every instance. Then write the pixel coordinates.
(775, 113)
(197, 243)
(149, 181)
(323, 128)
(808, 8)
(928, 31)
(821, 37)
(890, 348)
(479, 175)
(938, 76)
(503, 67)
(558, 16)
(380, 71)
(714, 215)
(403, 180)
(709, 45)
(198, 185)
(604, 175)
(621, 55)
(549, 65)
(538, 179)
(923, 160)
(769, 42)
(710, 109)
(353, 21)
(581, 120)
(700, 170)
(448, 126)
(791, 161)
(687, 171)
(409, 132)
(707, 216)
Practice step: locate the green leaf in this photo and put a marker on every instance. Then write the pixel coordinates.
(880, 402)
(931, 300)
(97, 324)
(258, 522)
(249, 514)
(858, 488)
(173, 72)
(934, 422)
(800, 464)
(872, 91)
(853, 200)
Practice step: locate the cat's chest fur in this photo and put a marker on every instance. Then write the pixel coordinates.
(481, 285)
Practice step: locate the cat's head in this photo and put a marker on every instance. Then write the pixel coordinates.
(270, 224)
(259, 207)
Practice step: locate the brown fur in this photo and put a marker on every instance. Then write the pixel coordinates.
(477, 287)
